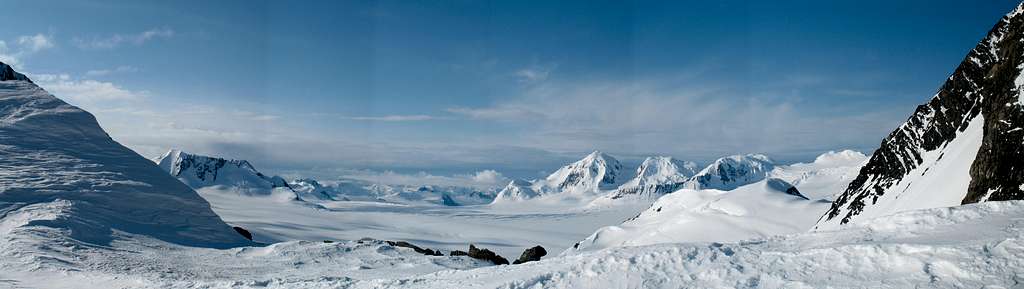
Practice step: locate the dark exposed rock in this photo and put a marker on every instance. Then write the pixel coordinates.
(488, 255)
(652, 190)
(448, 201)
(983, 83)
(531, 254)
(424, 251)
(245, 233)
(786, 187)
(458, 253)
(8, 73)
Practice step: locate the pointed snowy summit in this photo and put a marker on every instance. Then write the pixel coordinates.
(589, 175)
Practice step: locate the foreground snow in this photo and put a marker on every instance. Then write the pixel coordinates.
(974, 246)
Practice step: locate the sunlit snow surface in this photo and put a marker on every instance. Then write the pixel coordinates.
(971, 246)
(508, 230)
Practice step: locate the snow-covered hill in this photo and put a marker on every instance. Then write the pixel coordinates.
(762, 209)
(66, 186)
(516, 190)
(962, 146)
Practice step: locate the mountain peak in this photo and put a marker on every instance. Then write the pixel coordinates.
(8, 73)
(199, 171)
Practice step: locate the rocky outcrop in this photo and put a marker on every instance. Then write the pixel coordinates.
(984, 89)
(242, 231)
(8, 73)
(481, 254)
(531, 254)
(424, 251)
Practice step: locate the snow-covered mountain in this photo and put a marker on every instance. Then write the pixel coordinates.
(311, 189)
(354, 190)
(239, 176)
(657, 176)
(67, 187)
(762, 209)
(589, 177)
(731, 172)
(962, 146)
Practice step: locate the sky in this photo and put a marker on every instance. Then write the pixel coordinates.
(486, 90)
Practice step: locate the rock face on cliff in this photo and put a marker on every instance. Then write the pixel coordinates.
(965, 145)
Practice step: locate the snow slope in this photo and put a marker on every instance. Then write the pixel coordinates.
(64, 182)
(974, 246)
(766, 208)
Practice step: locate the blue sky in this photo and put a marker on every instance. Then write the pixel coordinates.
(516, 86)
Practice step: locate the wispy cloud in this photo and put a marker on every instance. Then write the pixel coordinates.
(26, 46)
(503, 112)
(35, 43)
(105, 72)
(683, 117)
(535, 73)
(84, 90)
(485, 179)
(117, 40)
(394, 118)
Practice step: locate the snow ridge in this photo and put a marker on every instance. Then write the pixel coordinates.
(66, 181)
(198, 171)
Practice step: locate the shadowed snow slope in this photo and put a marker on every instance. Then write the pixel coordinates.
(962, 146)
(63, 179)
